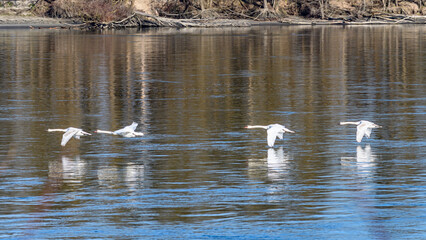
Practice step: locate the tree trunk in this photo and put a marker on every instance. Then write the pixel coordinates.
(323, 5)
(265, 5)
(203, 7)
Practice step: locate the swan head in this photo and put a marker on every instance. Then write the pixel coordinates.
(287, 130)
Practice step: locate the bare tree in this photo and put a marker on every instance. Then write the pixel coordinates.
(323, 7)
(206, 4)
(385, 4)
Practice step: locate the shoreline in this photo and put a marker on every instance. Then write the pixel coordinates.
(16, 21)
(34, 22)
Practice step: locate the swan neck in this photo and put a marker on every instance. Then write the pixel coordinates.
(346, 123)
(107, 132)
(56, 130)
(257, 126)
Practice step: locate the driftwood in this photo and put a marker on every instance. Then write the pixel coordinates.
(140, 19)
(373, 19)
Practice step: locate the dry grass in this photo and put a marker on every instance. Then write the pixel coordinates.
(405, 8)
(114, 10)
(105, 10)
(88, 10)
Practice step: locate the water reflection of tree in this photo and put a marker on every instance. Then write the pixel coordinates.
(178, 83)
(101, 80)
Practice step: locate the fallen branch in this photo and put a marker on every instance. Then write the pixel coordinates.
(141, 19)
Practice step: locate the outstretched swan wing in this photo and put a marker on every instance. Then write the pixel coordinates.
(130, 128)
(368, 132)
(360, 132)
(133, 126)
(68, 135)
(273, 133)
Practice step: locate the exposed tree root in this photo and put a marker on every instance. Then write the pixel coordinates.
(140, 19)
(268, 15)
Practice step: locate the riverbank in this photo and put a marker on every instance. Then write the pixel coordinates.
(111, 14)
(29, 21)
(17, 21)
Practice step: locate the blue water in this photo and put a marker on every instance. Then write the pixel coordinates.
(198, 173)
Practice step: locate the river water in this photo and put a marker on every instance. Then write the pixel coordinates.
(198, 173)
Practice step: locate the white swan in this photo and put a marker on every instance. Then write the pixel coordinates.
(128, 131)
(274, 131)
(363, 128)
(69, 133)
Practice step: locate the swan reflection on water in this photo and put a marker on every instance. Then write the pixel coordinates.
(364, 158)
(278, 170)
(74, 169)
(277, 161)
(273, 167)
(134, 175)
(71, 170)
(130, 174)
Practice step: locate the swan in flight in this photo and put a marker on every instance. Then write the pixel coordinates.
(128, 131)
(363, 128)
(69, 133)
(274, 131)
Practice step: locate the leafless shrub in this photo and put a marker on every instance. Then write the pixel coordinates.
(113, 10)
(175, 9)
(88, 10)
(105, 10)
(405, 8)
(309, 9)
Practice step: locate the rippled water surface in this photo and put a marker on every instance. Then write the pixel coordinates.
(198, 173)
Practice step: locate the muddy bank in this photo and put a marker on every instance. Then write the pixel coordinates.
(139, 19)
(16, 21)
